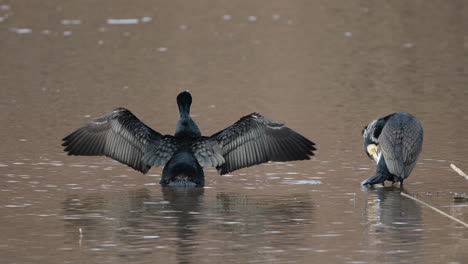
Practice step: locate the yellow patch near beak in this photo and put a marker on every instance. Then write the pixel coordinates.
(374, 152)
(372, 149)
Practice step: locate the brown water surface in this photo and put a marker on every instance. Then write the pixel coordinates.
(326, 68)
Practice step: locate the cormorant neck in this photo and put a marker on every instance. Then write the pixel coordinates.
(184, 110)
(186, 127)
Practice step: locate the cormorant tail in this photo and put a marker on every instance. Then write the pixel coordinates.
(378, 178)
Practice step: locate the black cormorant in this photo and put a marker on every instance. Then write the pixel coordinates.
(252, 140)
(394, 143)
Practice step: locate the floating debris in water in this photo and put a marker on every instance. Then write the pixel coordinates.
(301, 182)
(3, 18)
(273, 232)
(435, 209)
(232, 223)
(125, 21)
(22, 30)
(252, 18)
(460, 197)
(275, 16)
(327, 235)
(150, 237)
(71, 22)
(459, 171)
(408, 45)
(16, 205)
(146, 19)
(108, 245)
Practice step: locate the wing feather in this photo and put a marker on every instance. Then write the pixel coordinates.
(390, 141)
(119, 135)
(253, 140)
(401, 143)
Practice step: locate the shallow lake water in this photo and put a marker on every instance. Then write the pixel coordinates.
(325, 68)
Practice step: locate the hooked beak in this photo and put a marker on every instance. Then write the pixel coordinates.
(374, 152)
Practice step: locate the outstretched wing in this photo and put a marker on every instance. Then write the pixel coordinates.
(119, 135)
(253, 140)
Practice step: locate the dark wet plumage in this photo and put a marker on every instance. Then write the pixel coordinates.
(399, 139)
(252, 140)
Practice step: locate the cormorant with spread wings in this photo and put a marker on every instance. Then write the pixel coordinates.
(252, 140)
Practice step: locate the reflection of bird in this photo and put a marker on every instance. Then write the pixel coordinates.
(251, 140)
(393, 224)
(394, 142)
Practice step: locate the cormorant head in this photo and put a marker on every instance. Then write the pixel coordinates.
(184, 100)
(370, 134)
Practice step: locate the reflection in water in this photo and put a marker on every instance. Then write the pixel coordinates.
(182, 222)
(186, 204)
(394, 228)
(137, 220)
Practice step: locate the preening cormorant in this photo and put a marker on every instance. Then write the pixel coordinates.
(394, 143)
(252, 140)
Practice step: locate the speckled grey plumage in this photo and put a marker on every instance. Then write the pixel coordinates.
(400, 138)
